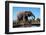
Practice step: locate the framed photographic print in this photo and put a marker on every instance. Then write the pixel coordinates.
(24, 17)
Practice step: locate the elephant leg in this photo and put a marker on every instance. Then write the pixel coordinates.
(26, 18)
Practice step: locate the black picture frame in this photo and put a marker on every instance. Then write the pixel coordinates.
(7, 16)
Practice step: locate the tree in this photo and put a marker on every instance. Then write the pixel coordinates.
(38, 19)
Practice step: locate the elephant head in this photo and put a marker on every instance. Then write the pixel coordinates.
(29, 13)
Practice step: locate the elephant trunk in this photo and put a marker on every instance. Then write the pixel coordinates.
(33, 17)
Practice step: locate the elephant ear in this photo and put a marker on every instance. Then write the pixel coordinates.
(28, 13)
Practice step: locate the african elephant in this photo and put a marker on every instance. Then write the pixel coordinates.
(24, 15)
